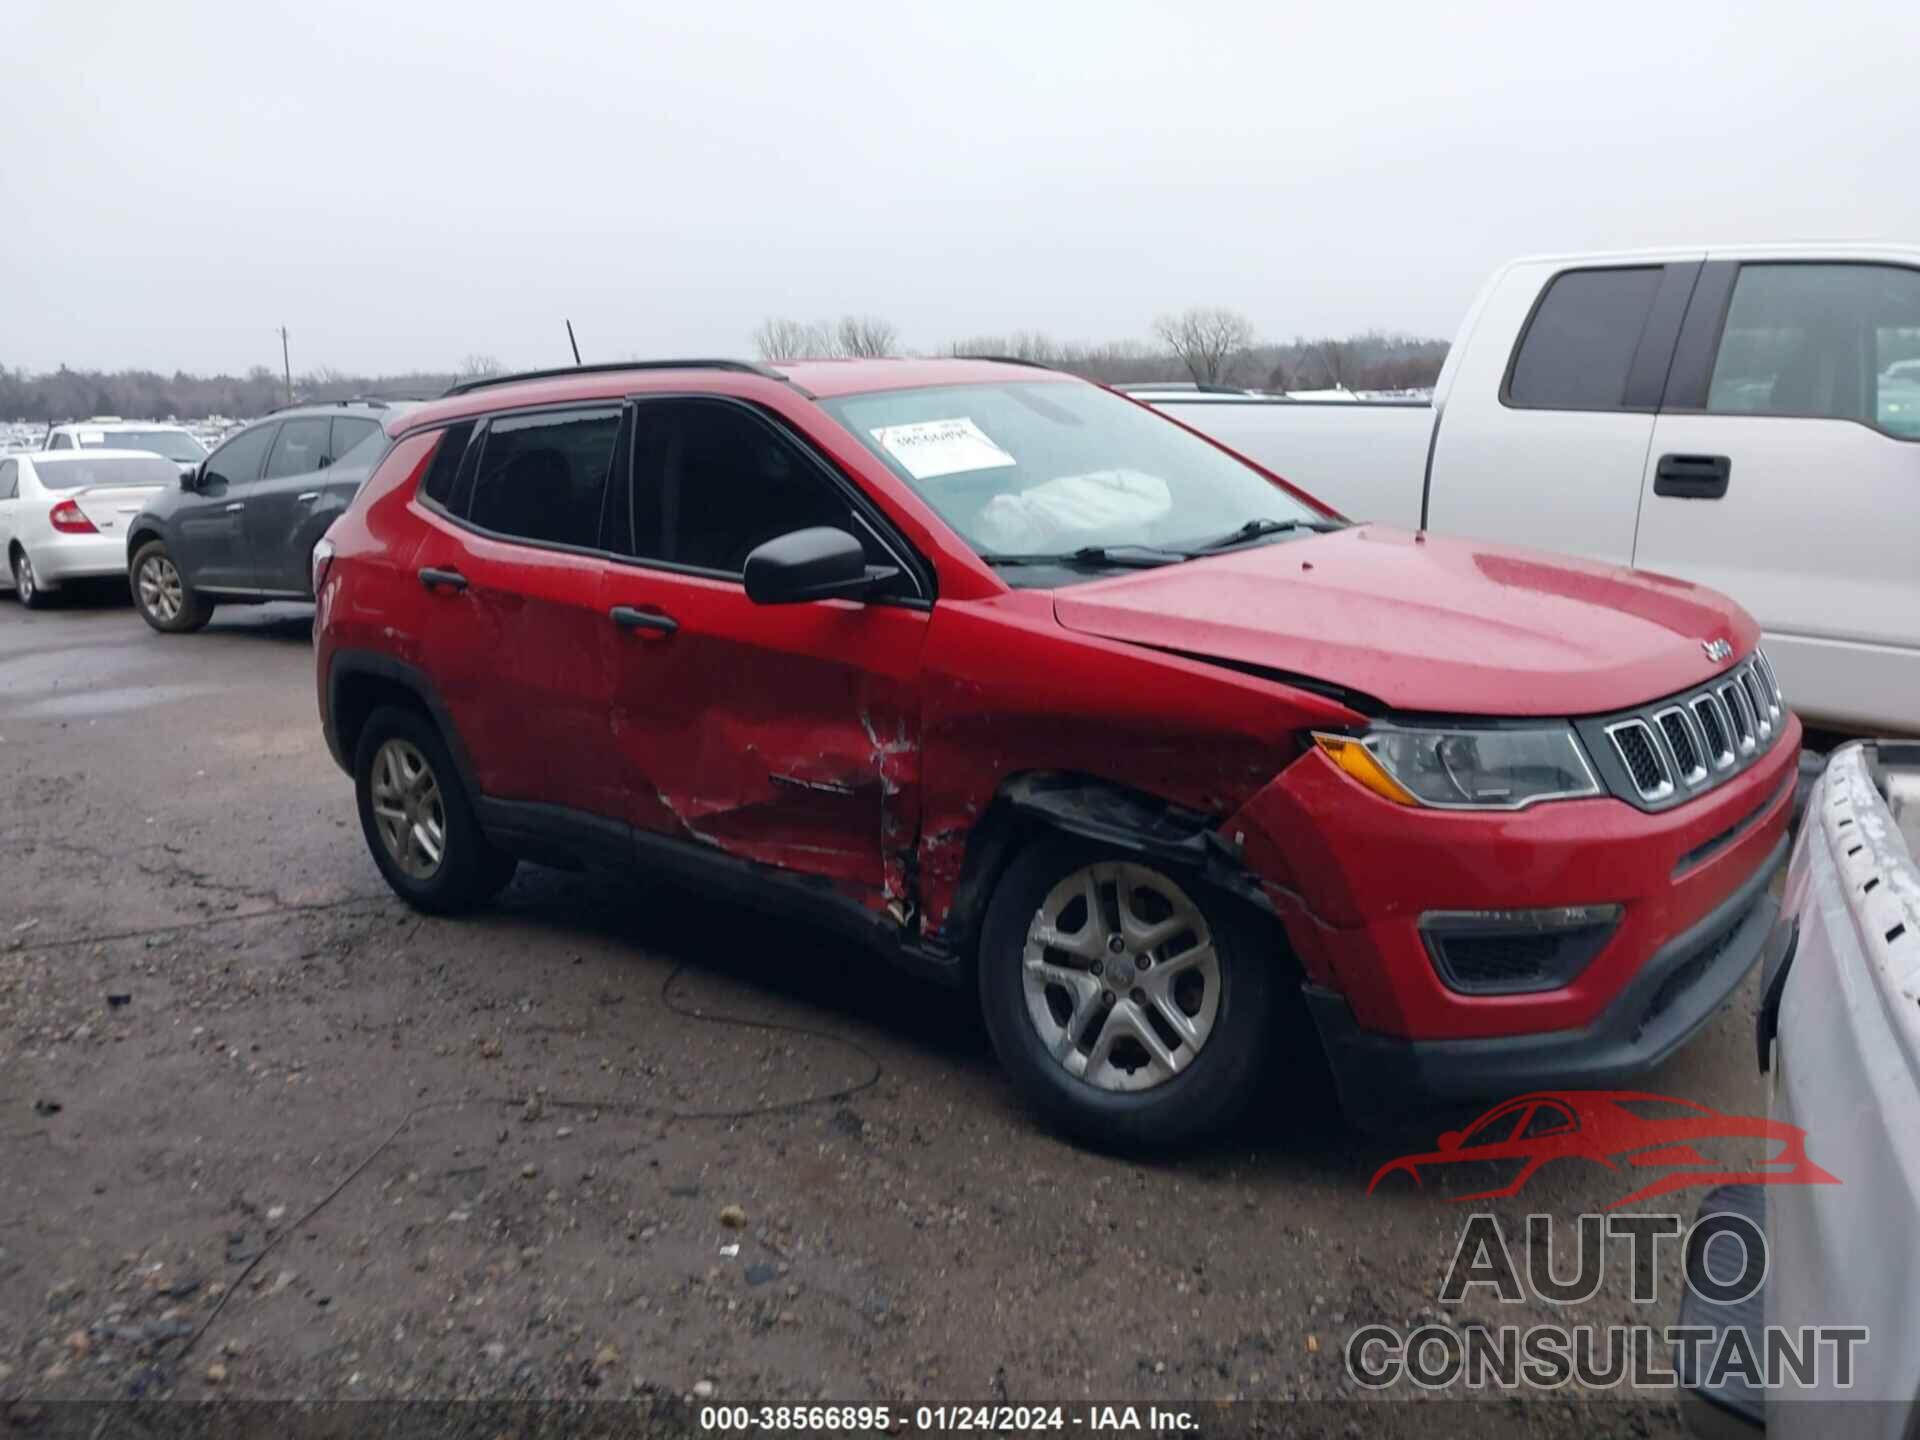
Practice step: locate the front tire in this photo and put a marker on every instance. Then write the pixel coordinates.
(1129, 1002)
(418, 820)
(161, 595)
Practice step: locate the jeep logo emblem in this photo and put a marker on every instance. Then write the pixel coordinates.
(1717, 650)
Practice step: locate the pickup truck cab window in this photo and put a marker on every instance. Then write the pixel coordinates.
(1831, 341)
(1578, 349)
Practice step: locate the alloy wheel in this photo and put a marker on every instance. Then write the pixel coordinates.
(160, 588)
(23, 582)
(1122, 979)
(407, 808)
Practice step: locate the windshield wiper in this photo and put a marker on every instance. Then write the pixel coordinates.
(1133, 557)
(1256, 529)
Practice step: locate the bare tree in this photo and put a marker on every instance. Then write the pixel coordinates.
(480, 367)
(865, 336)
(782, 339)
(1019, 345)
(1206, 339)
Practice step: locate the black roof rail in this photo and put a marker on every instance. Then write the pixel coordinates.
(1009, 360)
(614, 367)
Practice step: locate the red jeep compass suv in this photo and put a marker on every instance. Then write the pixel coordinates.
(1033, 688)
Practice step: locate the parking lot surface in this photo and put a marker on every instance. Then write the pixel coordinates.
(605, 1139)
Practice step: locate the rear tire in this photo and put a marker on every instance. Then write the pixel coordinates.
(26, 585)
(1191, 1007)
(417, 817)
(160, 592)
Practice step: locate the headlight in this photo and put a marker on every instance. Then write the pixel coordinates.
(1490, 769)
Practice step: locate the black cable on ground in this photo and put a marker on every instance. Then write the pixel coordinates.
(609, 1106)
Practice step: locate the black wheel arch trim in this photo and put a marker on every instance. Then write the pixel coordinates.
(146, 527)
(348, 665)
(1106, 812)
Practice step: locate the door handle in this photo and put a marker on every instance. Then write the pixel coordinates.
(236, 505)
(433, 579)
(1692, 477)
(628, 618)
(306, 495)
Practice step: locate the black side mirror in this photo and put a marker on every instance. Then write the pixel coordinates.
(811, 564)
(190, 477)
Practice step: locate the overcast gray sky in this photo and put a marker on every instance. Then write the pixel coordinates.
(406, 182)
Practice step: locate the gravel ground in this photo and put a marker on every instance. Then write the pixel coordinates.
(266, 1133)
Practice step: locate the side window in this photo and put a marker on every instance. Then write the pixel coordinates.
(1547, 1120)
(61, 442)
(9, 479)
(300, 449)
(544, 477)
(238, 461)
(1496, 1131)
(712, 481)
(1832, 341)
(348, 431)
(447, 455)
(1579, 345)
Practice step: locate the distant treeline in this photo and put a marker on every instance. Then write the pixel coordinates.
(1214, 346)
(65, 394)
(1210, 351)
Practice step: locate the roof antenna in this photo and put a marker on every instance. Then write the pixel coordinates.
(573, 342)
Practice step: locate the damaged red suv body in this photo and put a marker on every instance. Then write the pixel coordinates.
(1035, 689)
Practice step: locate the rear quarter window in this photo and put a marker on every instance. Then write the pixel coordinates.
(447, 455)
(1579, 344)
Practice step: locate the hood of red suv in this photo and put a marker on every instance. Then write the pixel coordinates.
(1427, 623)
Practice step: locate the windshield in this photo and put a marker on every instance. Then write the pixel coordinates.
(82, 472)
(174, 444)
(1046, 468)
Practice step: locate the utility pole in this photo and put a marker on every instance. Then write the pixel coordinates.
(286, 364)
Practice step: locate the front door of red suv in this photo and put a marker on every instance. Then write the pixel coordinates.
(783, 734)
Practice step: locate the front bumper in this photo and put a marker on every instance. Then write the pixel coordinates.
(1673, 995)
(1352, 875)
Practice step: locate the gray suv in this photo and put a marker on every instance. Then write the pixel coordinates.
(242, 525)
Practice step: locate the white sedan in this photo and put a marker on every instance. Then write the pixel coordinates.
(64, 516)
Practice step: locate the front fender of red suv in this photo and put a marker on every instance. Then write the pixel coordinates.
(1008, 692)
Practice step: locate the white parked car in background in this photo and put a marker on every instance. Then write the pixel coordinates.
(1746, 418)
(64, 516)
(110, 432)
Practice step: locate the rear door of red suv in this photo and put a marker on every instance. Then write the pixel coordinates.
(516, 636)
(784, 734)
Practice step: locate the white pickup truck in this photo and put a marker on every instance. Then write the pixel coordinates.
(1746, 418)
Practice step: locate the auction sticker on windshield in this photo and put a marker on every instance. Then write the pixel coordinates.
(931, 448)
